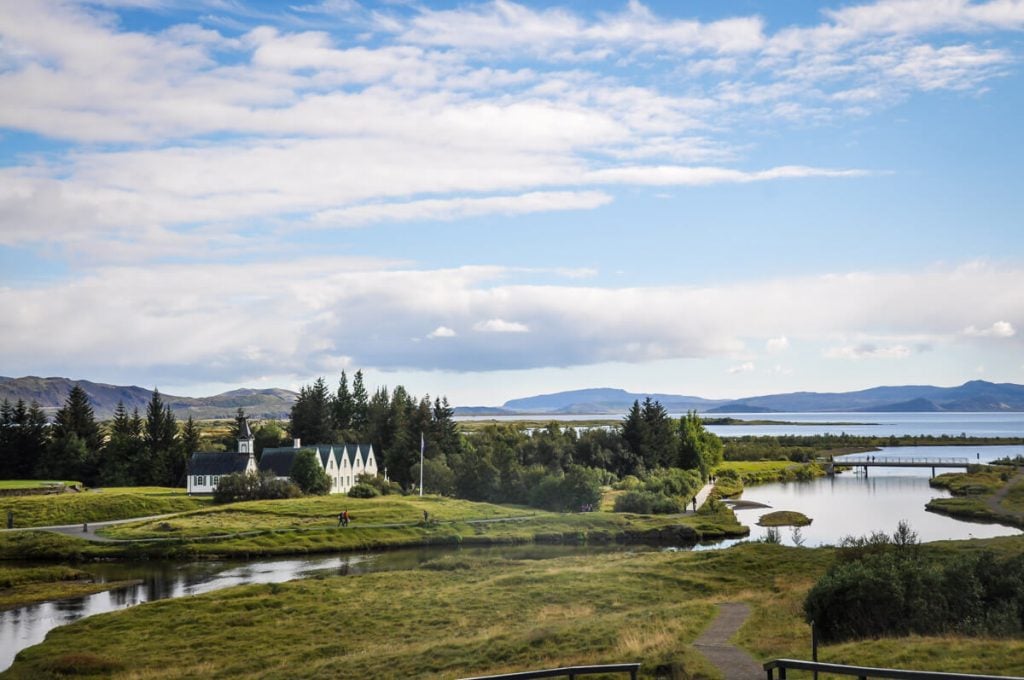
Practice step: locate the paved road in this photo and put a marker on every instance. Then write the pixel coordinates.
(713, 643)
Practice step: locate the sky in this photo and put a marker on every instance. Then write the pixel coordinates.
(490, 200)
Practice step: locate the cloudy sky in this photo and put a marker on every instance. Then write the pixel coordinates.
(495, 199)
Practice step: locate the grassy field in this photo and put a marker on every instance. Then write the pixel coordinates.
(309, 525)
(784, 518)
(96, 505)
(20, 586)
(464, 615)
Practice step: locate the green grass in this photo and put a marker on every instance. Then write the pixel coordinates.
(20, 586)
(96, 505)
(468, 615)
(972, 492)
(784, 518)
(309, 525)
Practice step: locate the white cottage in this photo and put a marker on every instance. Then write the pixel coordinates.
(205, 468)
(343, 463)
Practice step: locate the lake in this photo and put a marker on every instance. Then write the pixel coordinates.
(854, 504)
(974, 424)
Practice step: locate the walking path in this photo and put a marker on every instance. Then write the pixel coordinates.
(733, 662)
(994, 501)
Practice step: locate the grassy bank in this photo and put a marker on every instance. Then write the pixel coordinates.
(20, 586)
(310, 525)
(464, 615)
(983, 493)
(732, 476)
(96, 505)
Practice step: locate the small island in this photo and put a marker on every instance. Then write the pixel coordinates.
(784, 518)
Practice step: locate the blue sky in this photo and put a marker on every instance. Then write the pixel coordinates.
(496, 199)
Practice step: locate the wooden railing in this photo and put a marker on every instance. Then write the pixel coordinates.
(568, 671)
(868, 672)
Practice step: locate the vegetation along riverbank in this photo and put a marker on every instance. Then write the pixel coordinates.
(462, 615)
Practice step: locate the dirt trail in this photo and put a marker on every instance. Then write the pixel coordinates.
(997, 498)
(713, 643)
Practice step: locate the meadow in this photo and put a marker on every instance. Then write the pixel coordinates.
(464, 615)
(96, 505)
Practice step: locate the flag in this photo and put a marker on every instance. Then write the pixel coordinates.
(423, 446)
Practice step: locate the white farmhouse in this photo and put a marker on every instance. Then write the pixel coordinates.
(343, 463)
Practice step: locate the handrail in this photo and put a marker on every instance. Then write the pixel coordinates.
(882, 460)
(570, 671)
(869, 672)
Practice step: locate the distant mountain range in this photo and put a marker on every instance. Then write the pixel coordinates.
(976, 395)
(50, 393)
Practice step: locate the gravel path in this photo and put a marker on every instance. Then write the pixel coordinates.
(713, 643)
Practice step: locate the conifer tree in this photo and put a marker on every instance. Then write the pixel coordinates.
(360, 406)
(344, 406)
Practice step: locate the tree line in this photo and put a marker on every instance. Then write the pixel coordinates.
(150, 450)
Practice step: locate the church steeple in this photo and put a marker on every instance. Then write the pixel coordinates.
(245, 438)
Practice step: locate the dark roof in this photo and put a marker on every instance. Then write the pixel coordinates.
(278, 460)
(244, 431)
(217, 463)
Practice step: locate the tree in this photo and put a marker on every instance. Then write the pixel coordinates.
(308, 474)
(163, 464)
(360, 405)
(698, 449)
(124, 447)
(344, 406)
(311, 419)
(23, 438)
(268, 435)
(75, 442)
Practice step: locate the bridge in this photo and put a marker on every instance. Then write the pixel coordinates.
(869, 461)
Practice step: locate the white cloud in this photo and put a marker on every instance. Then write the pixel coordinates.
(775, 345)
(460, 208)
(745, 367)
(195, 318)
(500, 326)
(999, 329)
(442, 332)
(868, 351)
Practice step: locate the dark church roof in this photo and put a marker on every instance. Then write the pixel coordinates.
(217, 463)
(278, 460)
(244, 431)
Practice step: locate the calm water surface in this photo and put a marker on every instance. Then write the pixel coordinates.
(874, 424)
(854, 504)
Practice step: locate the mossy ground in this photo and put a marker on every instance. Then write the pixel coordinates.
(465, 615)
(784, 518)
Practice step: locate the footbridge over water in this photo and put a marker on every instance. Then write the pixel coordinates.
(870, 461)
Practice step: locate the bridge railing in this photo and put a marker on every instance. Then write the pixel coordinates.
(901, 460)
(568, 671)
(868, 672)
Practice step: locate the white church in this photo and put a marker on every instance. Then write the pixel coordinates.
(343, 463)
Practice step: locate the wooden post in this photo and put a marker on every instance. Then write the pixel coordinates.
(814, 647)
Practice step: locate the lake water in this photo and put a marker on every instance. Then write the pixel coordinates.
(874, 424)
(854, 504)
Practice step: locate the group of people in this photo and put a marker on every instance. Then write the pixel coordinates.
(343, 518)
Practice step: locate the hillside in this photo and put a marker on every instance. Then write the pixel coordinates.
(51, 392)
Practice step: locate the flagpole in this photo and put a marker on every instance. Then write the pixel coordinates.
(422, 446)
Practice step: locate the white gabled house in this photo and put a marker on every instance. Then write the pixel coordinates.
(343, 463)
(205, 468)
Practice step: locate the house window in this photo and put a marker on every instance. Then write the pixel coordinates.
(214, 480)
(200, 480)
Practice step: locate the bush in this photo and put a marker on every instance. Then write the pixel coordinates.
(363, 490)
(674, 482)
(629, 483)
(641, 502)
(242, 487)
(381, 485)
(896, 589)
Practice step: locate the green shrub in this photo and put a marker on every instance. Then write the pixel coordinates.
(629, 483)
(242, 487)
(309, 475)
(363, 490)
(641, 502)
